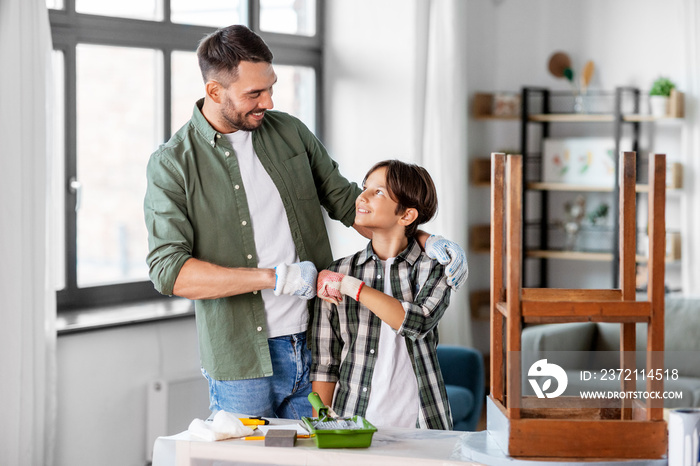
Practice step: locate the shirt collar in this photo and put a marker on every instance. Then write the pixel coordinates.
(410, 254)
(202, 125)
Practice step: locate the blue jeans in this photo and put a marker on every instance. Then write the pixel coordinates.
(283, 395)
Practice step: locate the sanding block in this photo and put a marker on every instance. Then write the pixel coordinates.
(280, 438)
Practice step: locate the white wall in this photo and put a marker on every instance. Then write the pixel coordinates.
(370, 90)
(631, 41)
(102, 389)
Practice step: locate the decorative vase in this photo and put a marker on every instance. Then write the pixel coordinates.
(658, 105)
(572, 230)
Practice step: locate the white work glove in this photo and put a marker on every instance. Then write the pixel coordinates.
(449, 253)
(297, 279)
(333, 285)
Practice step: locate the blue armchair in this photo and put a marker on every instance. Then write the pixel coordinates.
(463, 371)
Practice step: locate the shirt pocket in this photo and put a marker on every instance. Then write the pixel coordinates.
(300, 176)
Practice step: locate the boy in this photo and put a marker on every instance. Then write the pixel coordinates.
(374, 335)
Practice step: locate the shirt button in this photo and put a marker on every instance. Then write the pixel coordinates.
(236, 186)
(250, 256)
(371, 351)
(227, 153)
(379, 276)
(364, 389)
(259, 329)
(218, 136)
(255, 292)
(244, 223)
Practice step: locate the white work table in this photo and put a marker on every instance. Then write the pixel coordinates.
(390, 446)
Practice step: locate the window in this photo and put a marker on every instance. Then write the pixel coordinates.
(126, 79)
(288, 16)
(208, 12)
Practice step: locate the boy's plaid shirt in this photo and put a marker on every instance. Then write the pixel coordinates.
(344, 338)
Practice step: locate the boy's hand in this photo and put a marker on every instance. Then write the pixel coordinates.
(296, 279)
(331, 286)
(328, 286)
(447, 252)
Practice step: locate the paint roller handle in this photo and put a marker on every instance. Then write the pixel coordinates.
(321, 409)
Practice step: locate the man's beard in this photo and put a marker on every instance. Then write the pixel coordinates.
(238, 120)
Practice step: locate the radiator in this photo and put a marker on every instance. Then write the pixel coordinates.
(172, 404)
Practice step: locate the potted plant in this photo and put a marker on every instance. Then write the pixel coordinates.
(658, 96)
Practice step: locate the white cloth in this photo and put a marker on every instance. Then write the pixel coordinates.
(394, 399)
(286, 315)
(224, 425)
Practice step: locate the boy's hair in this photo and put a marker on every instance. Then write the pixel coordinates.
(220, 53)
(410, 186)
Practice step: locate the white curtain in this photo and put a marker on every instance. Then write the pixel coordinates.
(690, 226)
(27, 326)
(444, 155)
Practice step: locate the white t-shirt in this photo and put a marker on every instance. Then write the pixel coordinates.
(285, 314)
(394, 399)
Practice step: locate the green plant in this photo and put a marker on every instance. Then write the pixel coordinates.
(599, 213)
(662, 86)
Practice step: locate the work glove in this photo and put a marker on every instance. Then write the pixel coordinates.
(297, 279)
(449, 253)
(331, 286)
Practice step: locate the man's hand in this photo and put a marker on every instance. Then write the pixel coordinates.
(296, 279)
(449, 253)
(331, 286)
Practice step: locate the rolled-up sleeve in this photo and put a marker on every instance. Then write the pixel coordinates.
(430, 303)
(170, 234)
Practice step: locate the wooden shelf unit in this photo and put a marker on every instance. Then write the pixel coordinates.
(674, 180)
(571, 118)
(570, 255)
(596, 256)
(483, 107)
(497, 117)
(596, 118)
(480, 171)
(536, 111)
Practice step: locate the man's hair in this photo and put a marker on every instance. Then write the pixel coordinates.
(221, 52)
(410, 186)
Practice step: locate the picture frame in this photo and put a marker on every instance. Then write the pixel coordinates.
(585, 161)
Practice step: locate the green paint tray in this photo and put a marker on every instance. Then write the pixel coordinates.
(332, 432)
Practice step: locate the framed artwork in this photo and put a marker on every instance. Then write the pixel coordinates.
(582, 161)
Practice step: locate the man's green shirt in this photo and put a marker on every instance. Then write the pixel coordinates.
(196, 207)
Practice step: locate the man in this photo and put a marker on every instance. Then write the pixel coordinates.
(232, 207)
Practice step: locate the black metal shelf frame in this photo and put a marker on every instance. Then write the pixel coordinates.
(529, 98)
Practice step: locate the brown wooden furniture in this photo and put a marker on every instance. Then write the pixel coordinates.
(566, 427)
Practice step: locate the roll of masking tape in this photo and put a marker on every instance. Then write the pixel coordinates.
(684, 437)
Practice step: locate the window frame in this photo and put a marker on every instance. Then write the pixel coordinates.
(68, 29)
